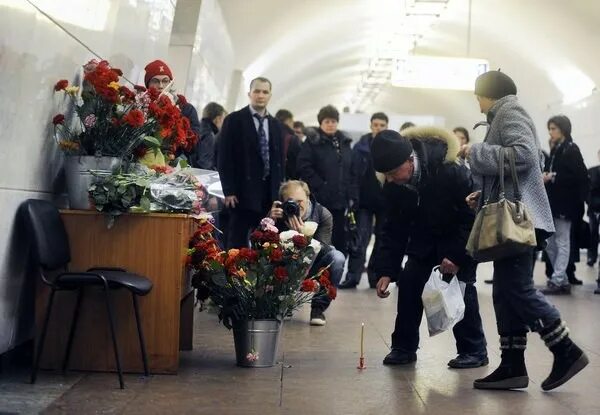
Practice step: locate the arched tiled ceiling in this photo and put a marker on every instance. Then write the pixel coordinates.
(314, 51)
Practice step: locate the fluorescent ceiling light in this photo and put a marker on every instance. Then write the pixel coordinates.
(573, 84)
(437, 73)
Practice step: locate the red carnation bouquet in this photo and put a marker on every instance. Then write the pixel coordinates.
(114, 120)
(109, 120)
(267, 281)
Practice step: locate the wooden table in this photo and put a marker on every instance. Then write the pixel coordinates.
(153, 245)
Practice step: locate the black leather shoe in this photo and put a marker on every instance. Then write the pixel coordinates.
(591, 263)
(399, 357)
(573, 280)
(468, 361)
(347, 284)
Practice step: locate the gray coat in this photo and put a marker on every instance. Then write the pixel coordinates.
(511, 126)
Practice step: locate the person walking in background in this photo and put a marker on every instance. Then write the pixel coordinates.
(519, 307)
(566, 180)
(594, 213)
(325, 164)
(250, 163)
(204, 154)
(370, 203)
(299, 129)
(291, 143)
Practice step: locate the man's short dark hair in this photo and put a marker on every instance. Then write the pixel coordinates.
(464, 132)
(406, 125)
(380, 116)
(299, 124)
(261, 79)
(328, 111)
(284, 115)
(212, 110)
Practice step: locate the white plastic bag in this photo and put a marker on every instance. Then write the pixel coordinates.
(443, 303)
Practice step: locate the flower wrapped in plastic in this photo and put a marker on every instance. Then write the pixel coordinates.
(146, 190)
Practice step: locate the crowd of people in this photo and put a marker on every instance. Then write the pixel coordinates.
(417, 191)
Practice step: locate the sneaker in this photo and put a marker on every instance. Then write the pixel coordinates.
(317, 318)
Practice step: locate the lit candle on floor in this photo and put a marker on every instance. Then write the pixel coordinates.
(361, 360)
(362, 339)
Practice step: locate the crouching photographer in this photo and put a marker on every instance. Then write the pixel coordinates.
(290, 213)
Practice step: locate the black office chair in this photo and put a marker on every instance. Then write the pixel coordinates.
(52, 253)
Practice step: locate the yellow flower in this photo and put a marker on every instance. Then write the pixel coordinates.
(72, 90)
(68, 145)
(114, 85)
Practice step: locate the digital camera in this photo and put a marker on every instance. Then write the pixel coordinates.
(290, 208)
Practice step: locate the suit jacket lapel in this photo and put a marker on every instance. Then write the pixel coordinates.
(250, 131)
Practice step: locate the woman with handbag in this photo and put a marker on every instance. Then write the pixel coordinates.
(519, 307)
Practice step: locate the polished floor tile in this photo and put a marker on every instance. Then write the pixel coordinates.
(318, 375)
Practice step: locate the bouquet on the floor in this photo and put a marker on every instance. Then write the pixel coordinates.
(267, 281)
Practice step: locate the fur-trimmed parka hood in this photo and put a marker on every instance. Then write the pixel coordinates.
(435, 135)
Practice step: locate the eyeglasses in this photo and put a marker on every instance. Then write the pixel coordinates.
(156, 81)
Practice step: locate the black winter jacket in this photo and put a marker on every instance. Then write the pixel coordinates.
(370, 194)
(327, 172)
(432, 221)
(203, 156)
(594, 198)
(569, 189)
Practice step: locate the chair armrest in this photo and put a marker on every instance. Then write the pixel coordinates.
(116, 269)
(91, 274)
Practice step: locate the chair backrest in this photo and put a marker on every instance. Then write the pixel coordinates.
(47, 230)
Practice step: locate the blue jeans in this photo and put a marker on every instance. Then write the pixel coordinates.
(518, 305)
(337, 260)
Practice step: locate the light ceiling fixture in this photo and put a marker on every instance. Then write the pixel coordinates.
(397, 33)
(437, 72)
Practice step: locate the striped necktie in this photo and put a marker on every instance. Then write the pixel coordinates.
(264, 145)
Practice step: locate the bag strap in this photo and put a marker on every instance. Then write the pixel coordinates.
(513, 173)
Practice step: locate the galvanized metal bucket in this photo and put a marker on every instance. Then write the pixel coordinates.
(79, 178)
(256, 342)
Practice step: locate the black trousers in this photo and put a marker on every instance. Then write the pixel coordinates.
(338, 234)
(468, 333)
(241, 223)
(594, 223)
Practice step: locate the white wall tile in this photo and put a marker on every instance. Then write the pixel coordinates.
(35, 52)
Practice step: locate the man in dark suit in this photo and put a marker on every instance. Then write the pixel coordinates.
(250, 163)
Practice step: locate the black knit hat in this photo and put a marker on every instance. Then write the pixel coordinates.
(495, 85)
(389, 150)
